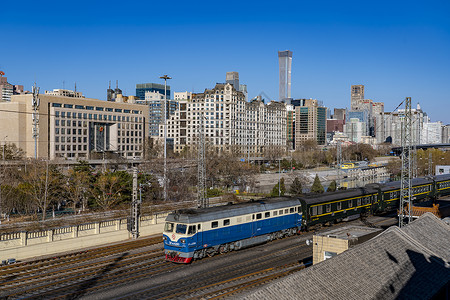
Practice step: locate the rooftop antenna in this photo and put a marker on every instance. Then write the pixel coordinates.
(75, 86)
(110, 84)
(64, 84)
(117, 84)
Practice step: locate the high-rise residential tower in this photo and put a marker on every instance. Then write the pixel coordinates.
(285, 61)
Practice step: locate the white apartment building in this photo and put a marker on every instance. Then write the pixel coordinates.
(75, 128)
(355, 130)
(182, 96)
(431, 132)
(229, 122)
(65, 93)
(390, 126)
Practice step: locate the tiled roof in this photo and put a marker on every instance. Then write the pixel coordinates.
(408, 263)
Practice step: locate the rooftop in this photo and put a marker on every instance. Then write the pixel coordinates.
(407, 263)
(348, 232)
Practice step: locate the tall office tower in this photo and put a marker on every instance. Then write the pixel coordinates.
(310, 122)
(285, 61)
(233, 79)
(357, 97)
(141, 88)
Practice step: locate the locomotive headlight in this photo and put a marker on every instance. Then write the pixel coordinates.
(183, 241)
(164, 238)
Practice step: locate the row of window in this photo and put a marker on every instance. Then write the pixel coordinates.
(86, 116)
(444, 184)
(98, 108)
(259, 216)
(344, 204)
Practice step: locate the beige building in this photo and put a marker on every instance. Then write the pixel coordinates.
(331, 243)
(229, 122)
(74, 128)
(310, 122)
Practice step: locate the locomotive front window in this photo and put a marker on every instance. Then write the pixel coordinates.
(191, 229)
(267, 215)
(168, 227)
(181, 228)
(291, 210)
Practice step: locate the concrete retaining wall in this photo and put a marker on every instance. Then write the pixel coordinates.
(24, 245)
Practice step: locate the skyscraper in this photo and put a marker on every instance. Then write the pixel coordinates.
(357, 97)
(233, 79)
(285, 61)
(141, 88)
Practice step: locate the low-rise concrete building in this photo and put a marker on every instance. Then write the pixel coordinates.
(74, 128)
(330, 243)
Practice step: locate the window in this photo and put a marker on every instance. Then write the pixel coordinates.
(258, 216)
(350, 203)
(358, 202)
(280, 212)
(191, 229)
(226, 222)
(313, 210)
(319, 209)
(198, 227)
(286, 211)
(292, 209)
(214, 224)
(267, 214)
(328, 255)
(181, 228)
(168, 227)
(275, 213)
(338, 206)
(328, 207)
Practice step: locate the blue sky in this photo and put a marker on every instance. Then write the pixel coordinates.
(397, 49)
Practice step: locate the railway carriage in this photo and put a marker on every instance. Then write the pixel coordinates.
(442, 185)
(193, 234)
(336, 206)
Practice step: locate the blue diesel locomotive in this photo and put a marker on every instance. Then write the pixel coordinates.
(195, 233)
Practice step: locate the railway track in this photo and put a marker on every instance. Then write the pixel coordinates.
(235, 274)
(17, 279)
(104, 269)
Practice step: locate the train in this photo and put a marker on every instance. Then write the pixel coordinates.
(191, 234)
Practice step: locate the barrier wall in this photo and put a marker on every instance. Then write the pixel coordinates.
(24, 245)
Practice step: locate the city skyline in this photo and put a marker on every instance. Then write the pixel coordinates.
(395, 53)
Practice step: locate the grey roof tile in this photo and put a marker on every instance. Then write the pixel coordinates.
(408, 263)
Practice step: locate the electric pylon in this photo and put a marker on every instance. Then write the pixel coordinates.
(202, 200)
(404, 216)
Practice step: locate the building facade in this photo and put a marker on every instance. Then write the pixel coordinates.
(65, 93)
(357, 97)
(233, 79)
(75, 128)
(285, 62)
(141, 88)
(155, 103)
(229, 122)
(310, 122)
(6, 89)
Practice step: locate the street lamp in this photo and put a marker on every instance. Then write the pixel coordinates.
(165, 77)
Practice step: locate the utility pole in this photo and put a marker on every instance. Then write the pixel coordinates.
(339, 163)
(404, 217)
(202, 200)
(279, 177)
(165, 77)
(430, 162)
(35, 116)
(133, 220)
